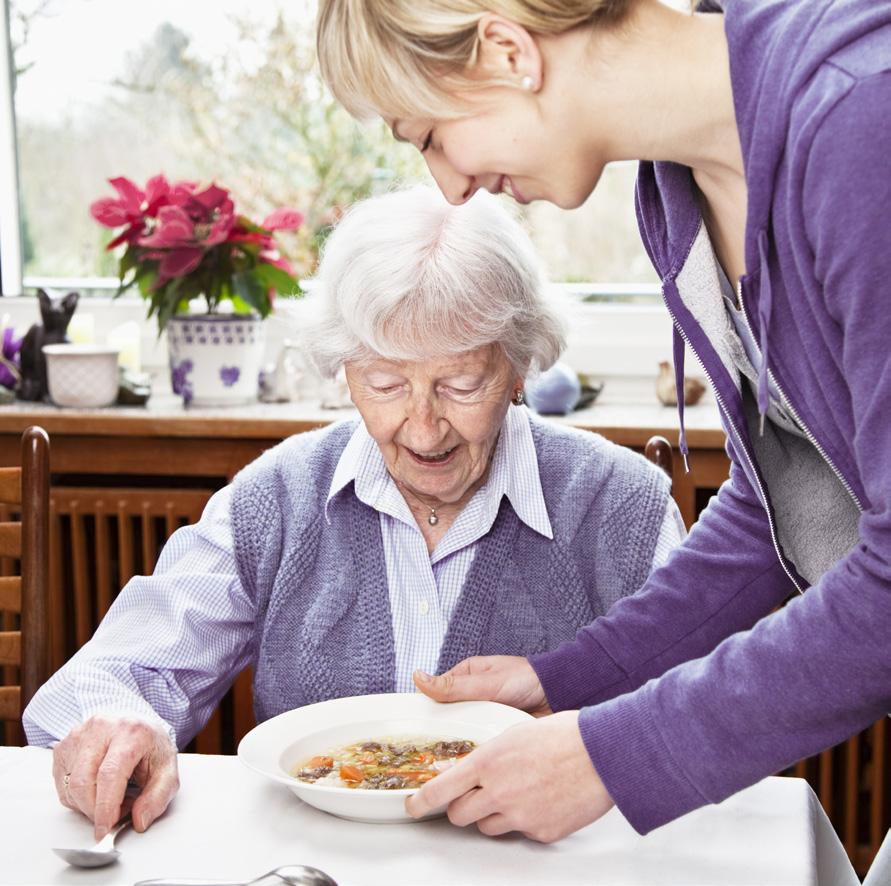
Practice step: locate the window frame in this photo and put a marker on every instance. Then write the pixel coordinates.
(10, 221)
(614, 336)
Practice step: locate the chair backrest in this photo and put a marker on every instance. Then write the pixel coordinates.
(25, 651)
(658, 451)
(99, 539)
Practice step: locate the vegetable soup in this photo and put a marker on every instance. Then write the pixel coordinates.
(387, 764)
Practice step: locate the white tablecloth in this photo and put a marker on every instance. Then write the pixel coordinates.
(228, 822)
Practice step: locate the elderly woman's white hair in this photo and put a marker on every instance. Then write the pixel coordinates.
(406, 276)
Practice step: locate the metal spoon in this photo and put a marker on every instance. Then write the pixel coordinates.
(101, 854)
(291, 874)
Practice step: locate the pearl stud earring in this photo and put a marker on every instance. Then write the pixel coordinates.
(527, 83)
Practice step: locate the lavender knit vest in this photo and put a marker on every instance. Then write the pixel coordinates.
(323, 626)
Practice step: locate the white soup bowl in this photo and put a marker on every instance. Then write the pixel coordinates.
(279, 745)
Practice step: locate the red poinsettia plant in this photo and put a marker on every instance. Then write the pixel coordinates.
(183, 242)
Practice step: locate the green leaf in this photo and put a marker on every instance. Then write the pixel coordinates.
(188, 288)
(123, 286)
(240, 306)
(170, 299)
(146, 277)
(166, 310)
(276, 278)
(251, 290)
(128, 261)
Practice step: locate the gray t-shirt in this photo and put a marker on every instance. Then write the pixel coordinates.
(816, 518)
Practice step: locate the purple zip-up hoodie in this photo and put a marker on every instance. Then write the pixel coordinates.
(694, 688)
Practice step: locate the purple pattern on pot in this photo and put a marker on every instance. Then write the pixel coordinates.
(229, 375)
(179, 380)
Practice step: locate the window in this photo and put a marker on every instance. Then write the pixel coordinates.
(227, 91)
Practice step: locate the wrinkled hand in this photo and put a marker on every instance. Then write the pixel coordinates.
(508, 679)
(101, 756)
(536, 778)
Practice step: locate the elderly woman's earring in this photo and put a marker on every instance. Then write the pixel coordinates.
(519, 397)
(527, 83)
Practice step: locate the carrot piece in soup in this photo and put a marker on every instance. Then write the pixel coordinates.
(351, 773)
(319, 763)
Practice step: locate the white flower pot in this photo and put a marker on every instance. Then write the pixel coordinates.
(215, 359)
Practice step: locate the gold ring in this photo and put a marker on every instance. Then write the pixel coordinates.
(66, 779)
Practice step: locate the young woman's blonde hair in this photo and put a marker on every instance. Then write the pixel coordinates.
(401, 58)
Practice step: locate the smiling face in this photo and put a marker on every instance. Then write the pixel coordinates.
(519, 131)
(436, 421)
(504, 146)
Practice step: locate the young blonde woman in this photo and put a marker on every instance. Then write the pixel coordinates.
(765, 204)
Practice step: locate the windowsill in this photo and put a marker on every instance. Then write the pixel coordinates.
(627, 411)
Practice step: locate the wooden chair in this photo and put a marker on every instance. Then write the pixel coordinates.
(658, 451)
(24, 652)
(100, 539)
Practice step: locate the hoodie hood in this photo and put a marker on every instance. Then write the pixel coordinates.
(775, 48)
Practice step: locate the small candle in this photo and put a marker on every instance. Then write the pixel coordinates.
(81, 329)
(127, 339)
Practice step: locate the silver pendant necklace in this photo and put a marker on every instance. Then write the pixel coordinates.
(432, 519)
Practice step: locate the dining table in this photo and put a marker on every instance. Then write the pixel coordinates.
(228, 822)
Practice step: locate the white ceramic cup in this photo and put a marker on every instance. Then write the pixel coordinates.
(82, 376)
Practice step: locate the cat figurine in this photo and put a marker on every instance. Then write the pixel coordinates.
(55, 314)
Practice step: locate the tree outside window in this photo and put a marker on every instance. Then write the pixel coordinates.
(228, 92)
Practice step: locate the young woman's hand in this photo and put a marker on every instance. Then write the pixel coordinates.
(536, 778)
(508, 679)
(93, 765)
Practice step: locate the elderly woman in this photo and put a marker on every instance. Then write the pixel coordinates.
(446, 523)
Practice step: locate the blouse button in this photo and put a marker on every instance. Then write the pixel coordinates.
(424, 607)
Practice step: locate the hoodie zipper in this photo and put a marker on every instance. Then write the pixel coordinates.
(785, 401)
(742, 447)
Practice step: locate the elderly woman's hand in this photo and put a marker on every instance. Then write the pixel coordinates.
(536, 778)
(508, 679)
(93, 765)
